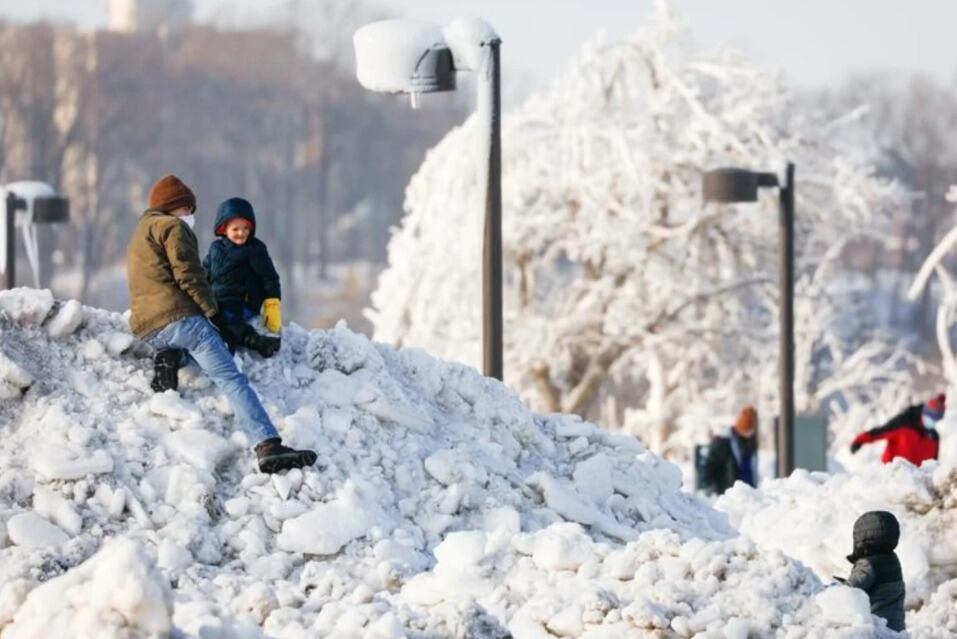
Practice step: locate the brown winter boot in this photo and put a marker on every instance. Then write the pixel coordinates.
(273, 457)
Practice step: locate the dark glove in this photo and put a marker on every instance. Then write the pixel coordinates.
(855, 446)
(226, 331)
(218, 321)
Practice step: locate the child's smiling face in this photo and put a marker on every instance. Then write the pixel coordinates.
(238, 230)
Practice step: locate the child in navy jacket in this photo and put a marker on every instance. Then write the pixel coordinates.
(243, 278)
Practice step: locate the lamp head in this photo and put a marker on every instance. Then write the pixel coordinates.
(403, 56)
(731, 185)
(38, 201)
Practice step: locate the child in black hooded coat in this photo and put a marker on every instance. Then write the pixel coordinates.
(877, 571)
(243, 278)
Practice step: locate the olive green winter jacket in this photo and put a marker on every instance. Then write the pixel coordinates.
(166, 278)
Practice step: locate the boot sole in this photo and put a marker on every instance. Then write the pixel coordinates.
(288, 461)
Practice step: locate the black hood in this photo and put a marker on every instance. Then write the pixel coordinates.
(876, 532)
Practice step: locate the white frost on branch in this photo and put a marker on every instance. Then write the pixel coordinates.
(947, 309)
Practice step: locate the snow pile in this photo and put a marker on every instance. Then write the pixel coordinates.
(810, 516)
(117, 593)
(938, 618)
(440, 505)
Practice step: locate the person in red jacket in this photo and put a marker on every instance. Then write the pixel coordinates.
(911, 435)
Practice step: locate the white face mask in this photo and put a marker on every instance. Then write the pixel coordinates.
(189, 220)
(929, 422)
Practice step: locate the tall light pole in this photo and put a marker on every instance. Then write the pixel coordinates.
(732, 185)
(34, 203)
(406, 56)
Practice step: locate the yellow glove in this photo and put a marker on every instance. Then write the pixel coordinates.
(272, 318)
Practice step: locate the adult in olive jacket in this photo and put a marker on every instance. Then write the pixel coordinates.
(172, 308)
(166, 279)
(877, 571)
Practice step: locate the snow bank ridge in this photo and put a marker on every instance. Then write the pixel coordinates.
(443, 508)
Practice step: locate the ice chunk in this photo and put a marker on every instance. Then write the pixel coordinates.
(562, 546)
(199, 448)
(53, 461)
(57, 509)
(843, 605)
(593, 478)
(328, 527)
(14, 381)
(569, 505)
(173, 557)
(462, 548)
(67, 319)
(30, 530)
(117, 342)
(287, 483)
(170, 404)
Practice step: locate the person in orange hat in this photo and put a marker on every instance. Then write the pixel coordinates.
(173, 309)
(733, 457)
(911, 435)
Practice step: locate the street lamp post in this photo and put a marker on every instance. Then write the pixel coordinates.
(405, 56)
(732, 185)
(36, 203)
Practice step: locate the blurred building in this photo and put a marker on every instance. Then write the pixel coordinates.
(130, 16)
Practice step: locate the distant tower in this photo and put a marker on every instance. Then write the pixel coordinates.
(149, 15)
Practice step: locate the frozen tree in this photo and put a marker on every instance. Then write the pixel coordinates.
(947, 310)
(627, 299)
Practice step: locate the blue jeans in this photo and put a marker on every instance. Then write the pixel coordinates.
(197, 336)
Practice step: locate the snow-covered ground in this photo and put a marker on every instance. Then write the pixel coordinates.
(440, 507)
(810, 516)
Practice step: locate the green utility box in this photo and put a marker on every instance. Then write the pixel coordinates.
(810, 442)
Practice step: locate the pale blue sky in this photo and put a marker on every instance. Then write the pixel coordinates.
(815, 42)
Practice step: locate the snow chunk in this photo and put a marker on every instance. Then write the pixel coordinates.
(26, 305)
(449, 467)
(199, 448)
(563, 500)
(117, 342)
(328, 527)
(61, 462)
(56, 508)
(67, 319)
(116, 593)
(843, 605)
(170, 404)
(562, 547)
(172, 557)
(593, 478)
(342, 350)
(465, 548)
(14, 381)
(30, 530)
